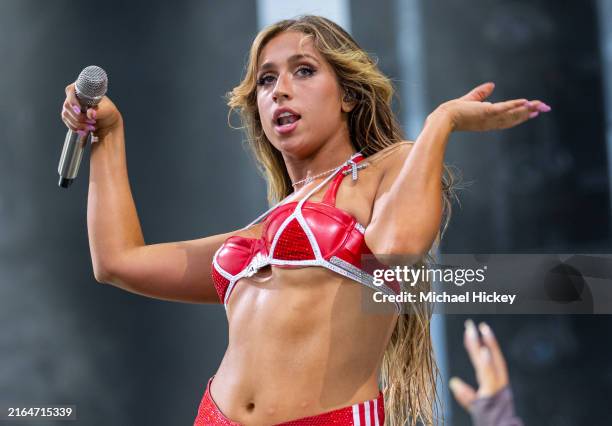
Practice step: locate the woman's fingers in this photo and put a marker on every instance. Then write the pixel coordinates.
(479, 93)
(72, 99)
(513, 117)
(75, 122)
(72, 112)
(71, 121)
(91, 113)
(536, 107)
(73, 106)
(497, 357)
(72, 115)
(511, 113)
(501, 107)
(463, 393)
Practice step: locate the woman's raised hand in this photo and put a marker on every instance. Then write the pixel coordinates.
(99, 119)
(470, 112)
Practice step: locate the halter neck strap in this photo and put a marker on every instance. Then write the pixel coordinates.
(350, 164)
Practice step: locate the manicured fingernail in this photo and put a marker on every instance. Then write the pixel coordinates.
(93, 113)
(91, 121)
(534, 114)
(454, 383)
(485, 329)
(81, 133)
(543, 108)
(472, 333)
(76, 109)
(90, 127)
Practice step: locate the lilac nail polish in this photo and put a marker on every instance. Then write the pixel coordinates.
(76, 109)
(534, 114)
(81, 133)
(543, 108)
(90, 127)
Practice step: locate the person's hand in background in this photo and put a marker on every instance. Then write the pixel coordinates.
(492, 403)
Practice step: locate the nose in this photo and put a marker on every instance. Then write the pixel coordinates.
(282, 88)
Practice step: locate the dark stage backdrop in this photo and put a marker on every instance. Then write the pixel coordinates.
(121, 358)
(539, 188)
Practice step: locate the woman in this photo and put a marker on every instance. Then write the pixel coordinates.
(302, 351)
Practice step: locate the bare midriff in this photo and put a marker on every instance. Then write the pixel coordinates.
(300, 343)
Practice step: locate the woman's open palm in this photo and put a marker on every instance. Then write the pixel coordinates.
(471, 113)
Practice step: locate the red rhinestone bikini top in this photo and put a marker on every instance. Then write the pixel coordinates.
(297, 234)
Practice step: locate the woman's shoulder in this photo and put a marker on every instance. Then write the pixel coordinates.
(390, 155)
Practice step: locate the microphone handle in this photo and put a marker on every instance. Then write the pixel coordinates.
(74, 145)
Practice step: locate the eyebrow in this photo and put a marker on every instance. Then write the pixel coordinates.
(292, 58)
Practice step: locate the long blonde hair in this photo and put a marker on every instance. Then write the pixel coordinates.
(409, 370)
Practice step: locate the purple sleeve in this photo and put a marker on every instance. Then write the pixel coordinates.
(496, 410)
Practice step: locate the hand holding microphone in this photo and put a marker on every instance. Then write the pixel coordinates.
(89, 115)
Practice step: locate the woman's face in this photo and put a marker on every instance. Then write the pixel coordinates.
(297, 81)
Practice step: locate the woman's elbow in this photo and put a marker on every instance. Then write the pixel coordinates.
(412, 246)
(102, 276)
(102, 272)
(412, 250)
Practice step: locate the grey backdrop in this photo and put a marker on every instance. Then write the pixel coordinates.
(121, 358)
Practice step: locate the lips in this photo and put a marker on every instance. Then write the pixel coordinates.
(286, 128)
(285, 120)
(283, 111)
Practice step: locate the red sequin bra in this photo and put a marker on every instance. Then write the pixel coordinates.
(300, 233)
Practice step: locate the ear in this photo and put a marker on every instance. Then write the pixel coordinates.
(348, 101)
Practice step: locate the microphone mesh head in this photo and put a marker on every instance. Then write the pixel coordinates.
(91, 85)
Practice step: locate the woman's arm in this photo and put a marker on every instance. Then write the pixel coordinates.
(408, 204)
(179, 271)
(171, 271)
(112, 221)
(407, 208)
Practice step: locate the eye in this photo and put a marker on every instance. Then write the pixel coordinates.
(309, 71)
(303, 71)
(265, 79)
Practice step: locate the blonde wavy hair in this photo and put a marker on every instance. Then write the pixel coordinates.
(409, 371)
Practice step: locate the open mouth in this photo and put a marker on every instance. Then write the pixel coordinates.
(287, 118)
(287, 122)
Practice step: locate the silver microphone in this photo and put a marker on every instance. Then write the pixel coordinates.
(90, 88)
